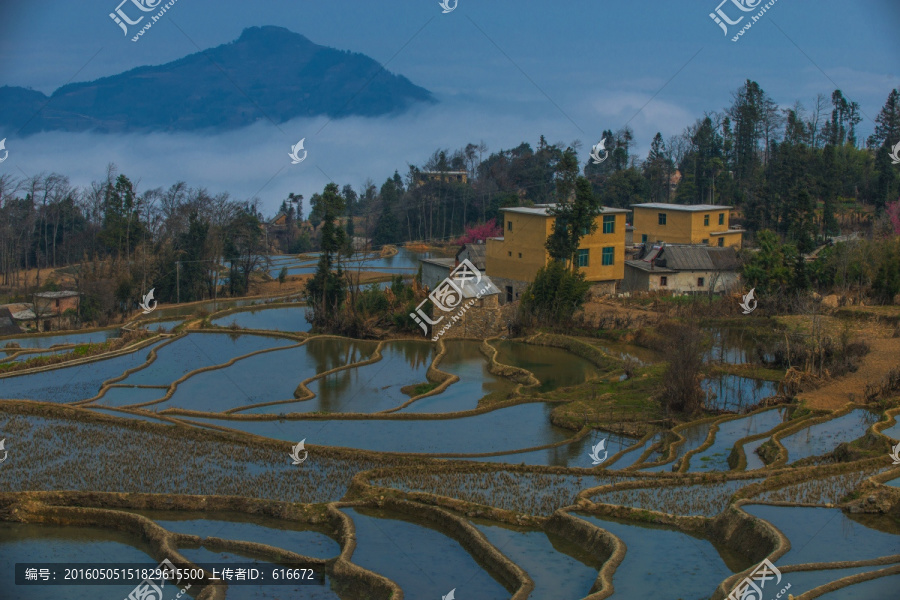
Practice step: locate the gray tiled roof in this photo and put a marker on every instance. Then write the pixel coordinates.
(690, 258)
(7, 324)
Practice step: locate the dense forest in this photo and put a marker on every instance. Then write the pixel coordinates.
(802, 172)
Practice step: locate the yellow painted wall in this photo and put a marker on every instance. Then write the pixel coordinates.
(528, 237)
(682, 227)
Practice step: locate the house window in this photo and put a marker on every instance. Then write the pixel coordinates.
(609, 224)
(662, 218)
(509, 293)
(583, 257)
(663, 281)
(57, 303)
(705, 241)
(609, 256)
(706, 220)
(509, 225)
(721, 218)
(643, 238)
(509, 253)
(721, 242)
(520, 255)
(701, 282)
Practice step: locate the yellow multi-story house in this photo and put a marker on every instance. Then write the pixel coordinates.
(707, 224)
(513, 260)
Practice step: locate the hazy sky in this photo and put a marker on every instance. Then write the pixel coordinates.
(503, 71)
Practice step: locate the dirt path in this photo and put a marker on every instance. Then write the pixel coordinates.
(884, 356)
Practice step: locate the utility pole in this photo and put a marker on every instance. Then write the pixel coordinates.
(178, 282)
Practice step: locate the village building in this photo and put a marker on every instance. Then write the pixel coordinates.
(682, 269)
(435, 270)
(55, 308)
(512, 261)
(707, 224)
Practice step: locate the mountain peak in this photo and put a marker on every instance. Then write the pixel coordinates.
(268, 73)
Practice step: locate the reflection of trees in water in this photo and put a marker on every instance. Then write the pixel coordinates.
(328, 354)
(416, 354)
(737, 345)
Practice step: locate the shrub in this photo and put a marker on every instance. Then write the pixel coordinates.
(555, 294)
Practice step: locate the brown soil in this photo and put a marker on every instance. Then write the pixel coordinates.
(597, 311)
(884, 355)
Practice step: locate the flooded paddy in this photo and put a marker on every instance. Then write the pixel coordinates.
(267, 377)
(123, 396)
(273, 319)
(48, 341)
(706, 500)
(663, 563)
(715, 458)
(820, 490)
(734, 393)
(465, 360)
(114, 458)
(165, 326)
(822, 438)
(554, 367)
(424, 562)
(74, 382)
(204, 556)
(185, 460)
(737, 345)
(828, 534)
(559, 569)
(882, 587)
(530, 493)
(198, 350)
(29, 543)
(511, 428)
(574, 454)
(248, 528)
(373, 387)
(694, 436)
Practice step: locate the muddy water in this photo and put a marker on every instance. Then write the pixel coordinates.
(734, 393)
(554, 367)
(465, 360)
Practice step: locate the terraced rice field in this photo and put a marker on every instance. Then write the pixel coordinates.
(184, 404)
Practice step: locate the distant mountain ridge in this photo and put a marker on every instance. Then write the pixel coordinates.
(269, 73)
